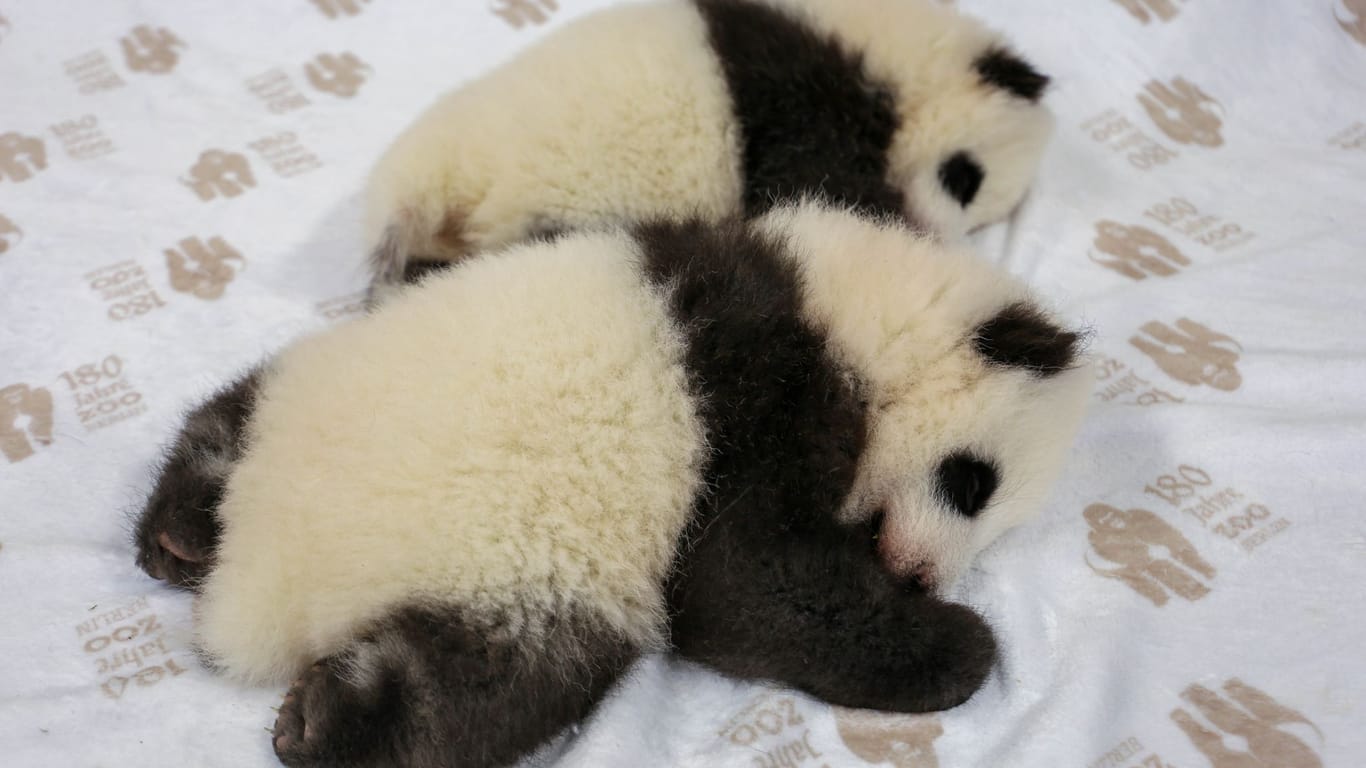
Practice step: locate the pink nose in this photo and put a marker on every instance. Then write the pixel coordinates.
(922, 573)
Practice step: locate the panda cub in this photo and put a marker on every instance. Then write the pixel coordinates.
(715, 108)
(754, 444)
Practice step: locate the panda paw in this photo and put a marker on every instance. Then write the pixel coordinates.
(328, 719)
(176, 536)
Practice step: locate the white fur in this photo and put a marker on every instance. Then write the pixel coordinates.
(625, 113)
(516, 437)
(615, 116)
(901, 310)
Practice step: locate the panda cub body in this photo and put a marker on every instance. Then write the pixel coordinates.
(755, 444)
(716, 108)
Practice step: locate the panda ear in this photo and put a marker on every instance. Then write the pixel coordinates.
(1020, 336)
(1002, 69)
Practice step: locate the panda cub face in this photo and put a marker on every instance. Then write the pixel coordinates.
(973, 393)
(971, 127)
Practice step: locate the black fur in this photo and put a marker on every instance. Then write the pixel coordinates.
(812, 121)
(967, 482)
(182, 509)
(428, 688)
(766, 584)
(1002, 69)
(417, 268)
(1021, 336)
(961, 176)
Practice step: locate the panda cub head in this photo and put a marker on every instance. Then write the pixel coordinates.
(973, 392)
(971, 126)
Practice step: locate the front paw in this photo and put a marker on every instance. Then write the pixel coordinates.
(178, 529)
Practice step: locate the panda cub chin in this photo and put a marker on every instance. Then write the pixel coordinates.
(757, 445)
(715, 108)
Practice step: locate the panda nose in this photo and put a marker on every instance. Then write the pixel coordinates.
(922, 575)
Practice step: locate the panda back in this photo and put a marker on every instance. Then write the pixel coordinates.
(517, 437)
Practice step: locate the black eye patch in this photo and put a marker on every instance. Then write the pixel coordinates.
(961, 177)
(966, 482)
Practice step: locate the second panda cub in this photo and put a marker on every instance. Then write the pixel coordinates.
(716, 108)
(758, 445)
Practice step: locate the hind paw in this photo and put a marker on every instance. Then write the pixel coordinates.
(326, 719)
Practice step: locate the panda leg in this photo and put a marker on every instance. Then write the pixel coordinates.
(820, 615)
(178, 528)
(425, 687)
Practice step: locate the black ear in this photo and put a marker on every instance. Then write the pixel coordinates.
(1002, 69)
(966, 482)
(961, 176)
(1021, 336)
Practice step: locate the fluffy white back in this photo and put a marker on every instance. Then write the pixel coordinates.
(517, 436)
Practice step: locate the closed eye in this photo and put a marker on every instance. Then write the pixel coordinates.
(966, 483)
(961, 176)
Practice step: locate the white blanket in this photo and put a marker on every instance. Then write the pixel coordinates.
(1192, 596)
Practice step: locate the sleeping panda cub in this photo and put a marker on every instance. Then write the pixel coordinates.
(715, 108)
(759, 445)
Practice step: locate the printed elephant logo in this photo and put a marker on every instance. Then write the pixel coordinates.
(1136, 251)
(1192, 353)
(25, 420)
(904, 741)
(518, 13)
(1164, 10)
(151, 50)
(1184, 112)
(1252, 715)
(335, 8)
(203, 270)
(21, 156)
(219, 172)
(1129, 538)
(339, 75)
(1356, 27)
(10, 234)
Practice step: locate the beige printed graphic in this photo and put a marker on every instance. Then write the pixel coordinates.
(129, 649)
(10, 234)
(21, 156)
(1192, 353)
(1184, 112)
(1256, 720)
(151, 50)
(333, 9)
(92, 72)
(1118, 134)
(219, 172)
(1351, 137)
(285, 154)
(342, 306)
(774, 733)
(126, 288)
(902, 741)
(1144, 10)
(1149, 551)
(519, 13)
(1136, 252)
(1207, 229)
(277, 91)
(25, 421)
(1226, 511)
(4, 27)
(102, 393)
(82, 138)
(203, 269)
(1118, 380)
(1126, 755)
(1355, 23)
(337, 74)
